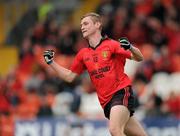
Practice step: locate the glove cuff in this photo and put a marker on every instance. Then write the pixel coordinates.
(49, 62)
(130, 46)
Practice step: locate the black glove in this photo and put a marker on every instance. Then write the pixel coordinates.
(125, 43)
(48, 56)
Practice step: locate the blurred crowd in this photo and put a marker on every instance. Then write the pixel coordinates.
(32, 89)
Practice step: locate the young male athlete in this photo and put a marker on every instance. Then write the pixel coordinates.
(104, 60)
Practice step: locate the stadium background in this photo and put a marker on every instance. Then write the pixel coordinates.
(34, 102)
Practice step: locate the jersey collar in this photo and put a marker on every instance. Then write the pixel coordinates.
(102, 39)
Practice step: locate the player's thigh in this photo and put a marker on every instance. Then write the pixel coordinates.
(119, 116)
(134, 128)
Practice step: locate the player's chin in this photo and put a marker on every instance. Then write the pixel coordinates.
(85, 36)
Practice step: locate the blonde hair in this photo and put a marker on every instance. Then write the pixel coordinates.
(95, 18)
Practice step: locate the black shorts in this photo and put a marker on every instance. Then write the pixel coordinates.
(122, 97)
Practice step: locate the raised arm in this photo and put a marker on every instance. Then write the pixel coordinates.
(135, 52)
(63, 73)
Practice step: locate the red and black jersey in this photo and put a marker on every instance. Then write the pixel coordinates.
(105, 65)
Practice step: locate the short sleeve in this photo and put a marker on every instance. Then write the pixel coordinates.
(78, 65)
(117, 49)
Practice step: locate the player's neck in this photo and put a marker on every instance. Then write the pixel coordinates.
(95, 39)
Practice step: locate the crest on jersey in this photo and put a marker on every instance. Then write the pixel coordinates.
(105, 54)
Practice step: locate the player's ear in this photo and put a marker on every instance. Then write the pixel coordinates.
(98, 24)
